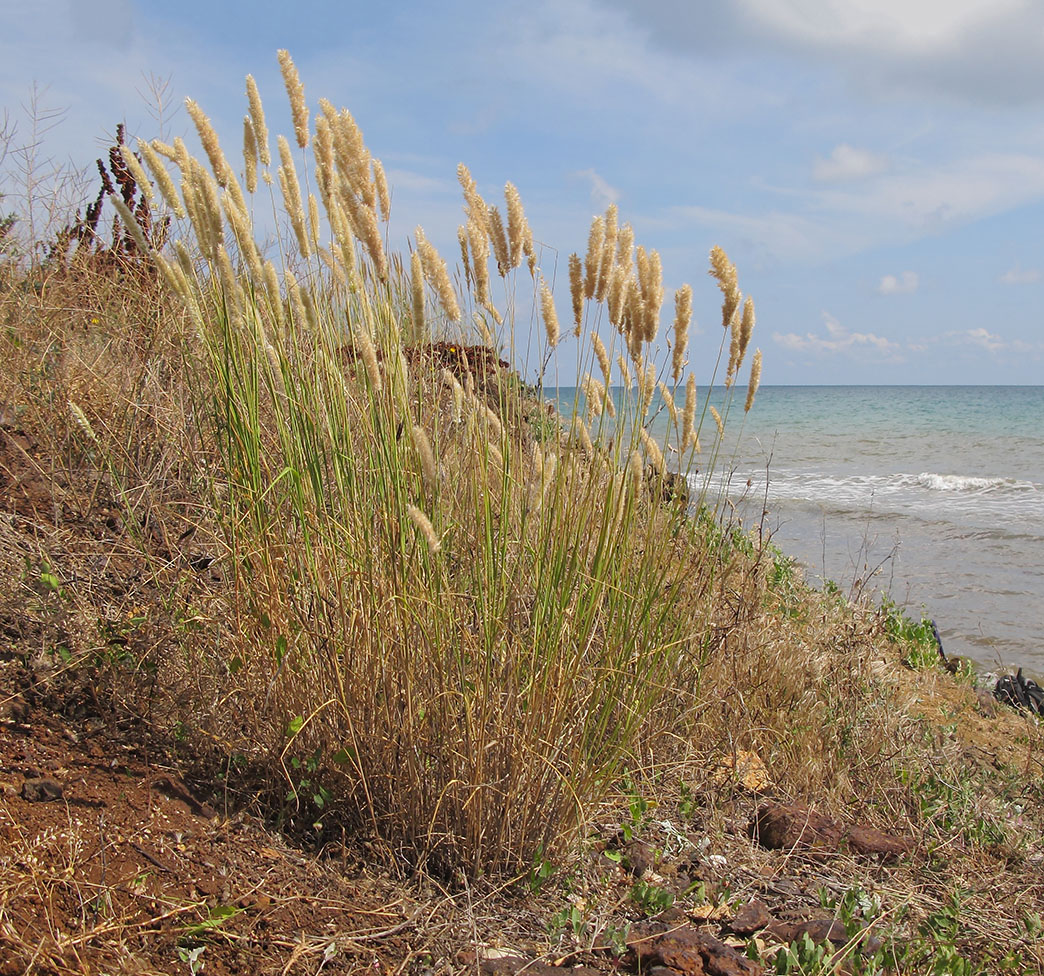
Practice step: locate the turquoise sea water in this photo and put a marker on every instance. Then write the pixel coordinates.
(938, 491)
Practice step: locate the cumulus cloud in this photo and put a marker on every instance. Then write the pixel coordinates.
(603, 193)
(904, 284)
(1020, 276)
(848, 163)
(986, 51)
(838, 340)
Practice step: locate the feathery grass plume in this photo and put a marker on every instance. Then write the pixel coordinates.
(353, 158)
(476, 207)
(689, 410)
(547, 308)
(292, 196)
(652, 295)
(275, 303)
(207, 136)
(81, 418)
(293, 291)
(625, 246)
(668, 399)
(207, 190)
(718, 421)
(137, 171)
(230, 286)
(498, 238)
(380, 182)
(617, 290)
(462, 241)
(249, 154)
(323, 150)
(594, 396)
(608, 252)
(436, 272)
(239, 221)
(625, 372)
(342, 232)
(576, 290)
(724, 272)
(595, 240)
(162, 177)
(365, 349)
(584, 436)
(492, 420)
(424, 526)
(364, 222)
(427, 459)
(313, 218)
(479, 243)
(257, 117)
(682, 320)
(734, 349)
(196, 207)
(602, 355)
(632, 319)
(295, 92)
(456, 391)
(652, 450)
(528, 250)
(754, 381)
(746, 327)
(173, 275)
(517, 226)
(163, 149)
(417, 296)
(636, 469)
(335, 266)
(182, 157)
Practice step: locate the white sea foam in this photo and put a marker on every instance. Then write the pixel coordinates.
(956, 482)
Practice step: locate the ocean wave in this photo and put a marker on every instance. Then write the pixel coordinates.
(956, 482)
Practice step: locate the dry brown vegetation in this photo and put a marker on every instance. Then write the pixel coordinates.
(346, 654)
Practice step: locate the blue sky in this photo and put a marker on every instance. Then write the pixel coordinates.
(875, 168)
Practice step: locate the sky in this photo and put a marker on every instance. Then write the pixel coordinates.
(874, 168)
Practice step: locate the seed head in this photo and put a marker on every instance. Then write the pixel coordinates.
(424, 526)
(755, 379)
(257, 118)
(595, 240)
(682, 320)
(576, 290)
(547, 307)
(295, 92)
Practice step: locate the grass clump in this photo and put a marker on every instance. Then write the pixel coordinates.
(295, 508)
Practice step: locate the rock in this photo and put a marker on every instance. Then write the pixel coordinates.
(14, 709)
(751, 918)
(824, 930)
(685, 950)
(638, 858)
(41, 789)
(867, 840)
(499, 962)
(780, 826)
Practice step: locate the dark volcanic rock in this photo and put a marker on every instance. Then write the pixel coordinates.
(686, 950)
(750, 918)
(41, 789)
(781, 826)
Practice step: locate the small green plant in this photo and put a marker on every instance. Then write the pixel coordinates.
(651, 899)
(191, 957)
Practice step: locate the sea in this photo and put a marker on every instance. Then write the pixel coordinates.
(931, 495)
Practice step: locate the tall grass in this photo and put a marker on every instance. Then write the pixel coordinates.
(467, 614)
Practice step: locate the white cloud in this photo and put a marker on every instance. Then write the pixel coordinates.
(839, 341)
(1020, 276)
(848, 163)
(904, 284)
(602, 192)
